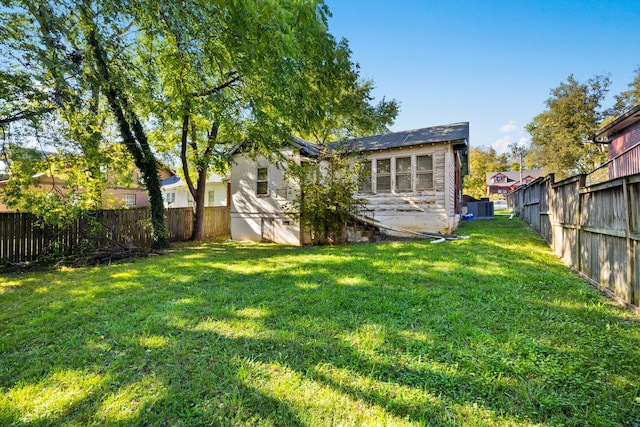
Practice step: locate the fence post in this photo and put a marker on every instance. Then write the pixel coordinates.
(581, 184)
(630, 243)
(551, 210)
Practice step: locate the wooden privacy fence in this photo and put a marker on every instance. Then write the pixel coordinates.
(593, 228)
(23, 238)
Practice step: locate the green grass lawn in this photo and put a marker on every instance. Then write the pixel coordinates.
(492, 330)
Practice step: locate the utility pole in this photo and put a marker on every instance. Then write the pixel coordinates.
(518, 152)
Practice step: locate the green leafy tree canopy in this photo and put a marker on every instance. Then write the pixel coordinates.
(559, 135)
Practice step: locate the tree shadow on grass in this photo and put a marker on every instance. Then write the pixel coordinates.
(252, 335)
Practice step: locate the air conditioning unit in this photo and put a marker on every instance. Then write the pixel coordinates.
(481, 209)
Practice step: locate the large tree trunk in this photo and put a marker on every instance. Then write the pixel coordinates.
(199, 202)
(198, 191)
(134, 139)
(149, 169)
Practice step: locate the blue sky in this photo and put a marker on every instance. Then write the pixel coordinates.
(491, 63)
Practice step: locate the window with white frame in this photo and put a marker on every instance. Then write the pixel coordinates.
(424, 172)
(383, 175)
(365, 184)
(403, 174)
(129, 200)
(211, 200)
(262, 182)
(170, 198)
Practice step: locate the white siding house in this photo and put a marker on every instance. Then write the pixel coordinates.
(415, 184)
(177, 194)
(261, 197)
(416, 178)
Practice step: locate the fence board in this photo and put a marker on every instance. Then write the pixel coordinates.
(22, 238)
(595, 229)
(179, 223)
(635, 273)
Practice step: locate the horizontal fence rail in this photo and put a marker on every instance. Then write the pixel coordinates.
(24, 238)
(625, 163)
(593, 225)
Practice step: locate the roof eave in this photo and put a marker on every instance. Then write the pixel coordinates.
(625, 120)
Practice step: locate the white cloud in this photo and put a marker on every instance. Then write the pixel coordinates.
(509, 127)
(512, 132)
(502, 145)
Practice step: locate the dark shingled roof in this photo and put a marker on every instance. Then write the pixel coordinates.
(455, 132)
(308, 148)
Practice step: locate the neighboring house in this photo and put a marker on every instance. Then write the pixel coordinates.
(501, 183)
(415, 184)
(623, 137)
(176, 194)
(134, 194)
(115, 195)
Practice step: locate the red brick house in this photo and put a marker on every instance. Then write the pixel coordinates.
(623, 137)
(501, 183)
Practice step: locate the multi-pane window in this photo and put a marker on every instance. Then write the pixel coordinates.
(262, 187)
(383, 175)
(403, 174)
(130, 200)
(211, 198)
(424, 172)
(365, 185)
(170, 198)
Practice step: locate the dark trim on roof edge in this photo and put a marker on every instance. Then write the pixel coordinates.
(616, 125)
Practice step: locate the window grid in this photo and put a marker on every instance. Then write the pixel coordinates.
(383, 175)
(262, 187)
(424, 172)
(403, 174)
(366, 184)
(130, 200)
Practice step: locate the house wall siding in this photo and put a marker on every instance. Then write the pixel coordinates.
(262, 218)
(624, 152)
(113, 198)
(416, 211)
(184, 199)
(270, 217)
(629, 137)
(451, 183)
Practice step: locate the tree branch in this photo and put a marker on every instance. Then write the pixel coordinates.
(218, 88)
(25, 115)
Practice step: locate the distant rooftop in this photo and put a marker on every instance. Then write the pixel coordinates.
(514, 176)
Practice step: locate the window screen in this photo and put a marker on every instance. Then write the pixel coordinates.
(403, 174)
(424, 172)
(383, 175)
